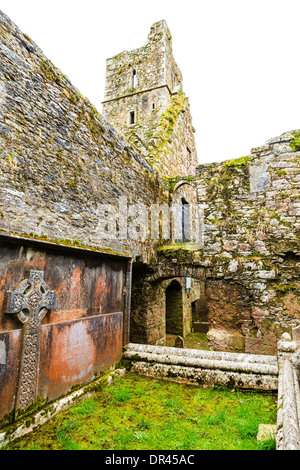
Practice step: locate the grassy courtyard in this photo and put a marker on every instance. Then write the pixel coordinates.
(138, 413)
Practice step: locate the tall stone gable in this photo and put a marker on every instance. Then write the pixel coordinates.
(144, 101)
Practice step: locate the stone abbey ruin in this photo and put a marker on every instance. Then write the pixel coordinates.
(114, 238)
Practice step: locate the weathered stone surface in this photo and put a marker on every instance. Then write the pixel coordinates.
(198, 353)
(59, 159)
(251, 207)
(204, 377)
(30, 302)
(288, 431)
(81, 335)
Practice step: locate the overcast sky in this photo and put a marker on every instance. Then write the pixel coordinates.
(239, 58)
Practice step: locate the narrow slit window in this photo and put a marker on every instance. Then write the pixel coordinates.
(133, 79)
(132, 117)
(153, 106)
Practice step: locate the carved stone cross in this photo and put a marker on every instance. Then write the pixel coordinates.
(30, 302)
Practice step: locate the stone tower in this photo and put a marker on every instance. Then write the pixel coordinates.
(145, 103)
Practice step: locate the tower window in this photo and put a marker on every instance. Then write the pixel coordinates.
(132, 117)
(133, 79)
(153, 106)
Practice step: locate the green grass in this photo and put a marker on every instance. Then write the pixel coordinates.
(138, 413)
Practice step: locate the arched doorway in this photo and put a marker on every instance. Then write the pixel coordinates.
(174, 309)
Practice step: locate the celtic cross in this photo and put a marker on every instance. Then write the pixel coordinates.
(30, 302)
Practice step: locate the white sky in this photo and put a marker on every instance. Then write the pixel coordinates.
(239, 59)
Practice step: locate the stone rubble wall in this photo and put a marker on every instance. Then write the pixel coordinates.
(152, 55)
(205, 368)
(163, 130)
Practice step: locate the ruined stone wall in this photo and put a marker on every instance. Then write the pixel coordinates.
(187, 194)
(152, 55)
(59, 159)
(251, 248)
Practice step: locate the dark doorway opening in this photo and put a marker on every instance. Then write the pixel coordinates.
(174, 309)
